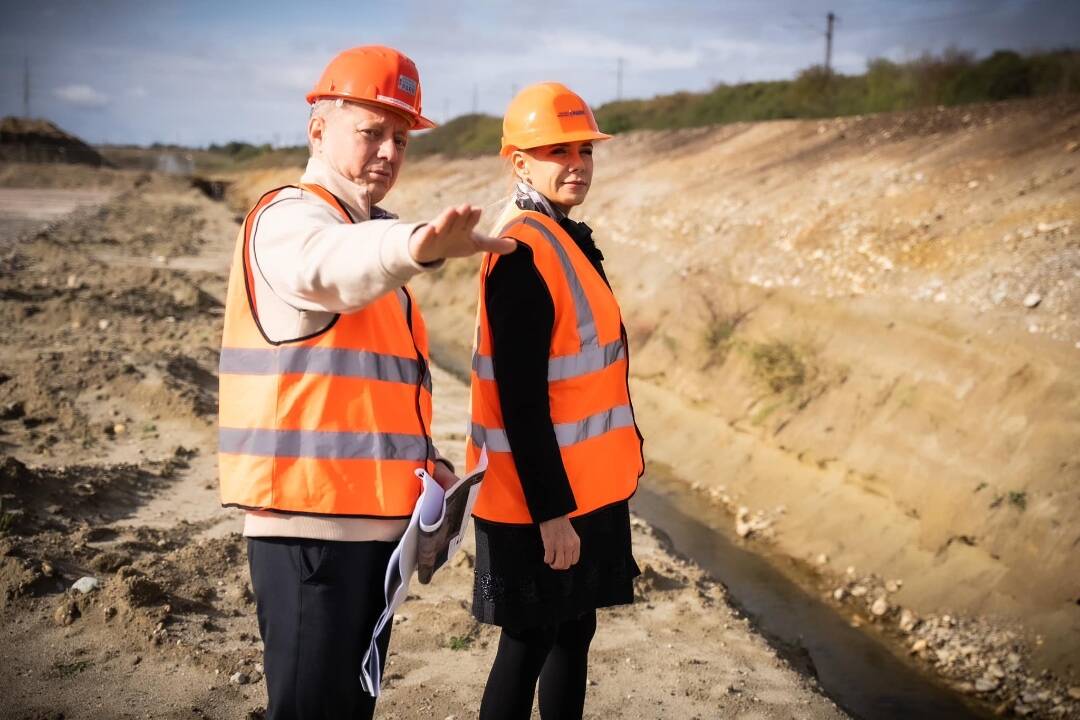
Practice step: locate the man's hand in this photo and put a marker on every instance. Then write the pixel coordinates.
(562, 547)
(444, 476)
(451, 235)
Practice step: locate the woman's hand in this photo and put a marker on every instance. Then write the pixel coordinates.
(451, 235)
(562, 547)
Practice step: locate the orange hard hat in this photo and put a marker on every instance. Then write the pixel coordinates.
(545, 114)
(377, 75)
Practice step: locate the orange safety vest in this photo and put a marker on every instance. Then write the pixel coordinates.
(331, 424)
(587, 384)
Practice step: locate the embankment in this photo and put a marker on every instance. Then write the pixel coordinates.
(865, 332)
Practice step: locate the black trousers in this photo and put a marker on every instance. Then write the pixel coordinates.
(318, 602)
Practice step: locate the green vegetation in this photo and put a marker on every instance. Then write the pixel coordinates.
(720, 329)
(1018, 499)
(63, 669)
(778, 365)
(953, 78)
(240, 151)
(460, 642)
(465, 136)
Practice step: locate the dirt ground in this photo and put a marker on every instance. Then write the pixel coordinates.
(860, 337)
(110, 321)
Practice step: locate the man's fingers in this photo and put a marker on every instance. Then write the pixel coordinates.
(442, 221)
(472, 219)
(461, 216)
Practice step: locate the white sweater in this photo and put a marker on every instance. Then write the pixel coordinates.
(308, 266)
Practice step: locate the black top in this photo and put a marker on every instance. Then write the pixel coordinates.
(521, 316)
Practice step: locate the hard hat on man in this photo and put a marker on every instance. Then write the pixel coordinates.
(374, 75)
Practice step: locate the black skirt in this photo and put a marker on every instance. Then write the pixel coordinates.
(512, 587)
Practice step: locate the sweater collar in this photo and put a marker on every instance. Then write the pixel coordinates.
(319, 172)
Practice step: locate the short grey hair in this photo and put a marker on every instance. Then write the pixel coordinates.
(323, 107)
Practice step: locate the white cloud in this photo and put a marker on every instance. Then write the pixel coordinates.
(82, 96)
(568, 45)
(137, 92)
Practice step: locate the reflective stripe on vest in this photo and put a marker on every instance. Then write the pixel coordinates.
(323, 444)
(564, 367)
(566, 434)
(322, 361)
(593, 420)
(335, 423)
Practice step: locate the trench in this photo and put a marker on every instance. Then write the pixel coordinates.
(855, 670)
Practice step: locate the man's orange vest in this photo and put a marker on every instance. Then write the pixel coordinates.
(331, 424)
(587, 384)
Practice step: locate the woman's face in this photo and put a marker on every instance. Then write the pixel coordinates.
(562, 173)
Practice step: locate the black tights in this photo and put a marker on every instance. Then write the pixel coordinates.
(556, 654)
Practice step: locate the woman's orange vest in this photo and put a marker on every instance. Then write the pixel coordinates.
(587, 384)
(331, 424)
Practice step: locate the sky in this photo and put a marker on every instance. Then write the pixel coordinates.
(199, 72)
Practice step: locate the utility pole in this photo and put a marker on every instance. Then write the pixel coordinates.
(830, 19)
(26, 87)
(618, 80)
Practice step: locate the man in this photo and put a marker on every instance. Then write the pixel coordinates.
(325, 402)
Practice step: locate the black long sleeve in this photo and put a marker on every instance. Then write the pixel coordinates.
(521, 316)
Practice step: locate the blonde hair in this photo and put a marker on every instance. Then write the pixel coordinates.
(509, 210)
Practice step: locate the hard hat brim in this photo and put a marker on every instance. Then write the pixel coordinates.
(579, 136)
(419, 122)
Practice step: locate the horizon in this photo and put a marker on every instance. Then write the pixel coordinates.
(169, 75)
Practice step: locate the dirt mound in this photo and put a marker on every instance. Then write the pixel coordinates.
(40, 141)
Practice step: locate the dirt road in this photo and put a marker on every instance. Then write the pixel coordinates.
(110, 328)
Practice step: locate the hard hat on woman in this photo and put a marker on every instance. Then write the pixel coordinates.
(377, 75)
(545, 114)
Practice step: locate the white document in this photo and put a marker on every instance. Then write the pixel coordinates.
(435, 532)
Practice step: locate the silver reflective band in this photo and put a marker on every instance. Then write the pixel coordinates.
(587, 361)
(494, 438)
(566, 434)
(586, 324)
(323, 444)
(594, 425)
(563, 367)
(321, 361)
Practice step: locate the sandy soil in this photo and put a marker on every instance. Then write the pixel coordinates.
(110, 323)
(861, 338)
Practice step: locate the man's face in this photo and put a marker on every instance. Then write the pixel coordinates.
(364, 143)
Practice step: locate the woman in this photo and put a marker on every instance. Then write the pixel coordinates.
(550, 401)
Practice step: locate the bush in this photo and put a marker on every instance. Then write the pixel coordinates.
(952, 78)
(778, 365)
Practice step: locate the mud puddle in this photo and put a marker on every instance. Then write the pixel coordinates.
(853, 669)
